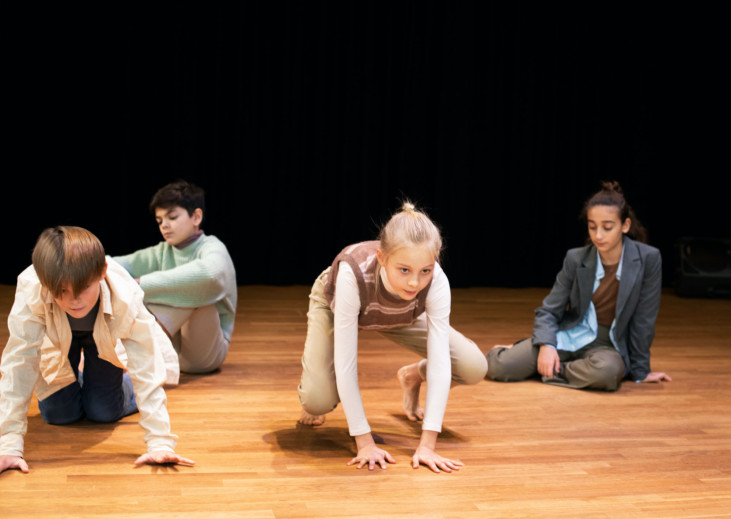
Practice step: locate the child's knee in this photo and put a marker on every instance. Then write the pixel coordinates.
(498, 368)
(61, 415)
(494, 366)
(472, 371)
(318, 408)
(608, 370)
(318, 403)
(103, 414)
(63, 407)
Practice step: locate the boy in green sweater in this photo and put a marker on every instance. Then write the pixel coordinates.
(189, 279)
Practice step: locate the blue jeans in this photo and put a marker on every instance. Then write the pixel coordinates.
(102, 392)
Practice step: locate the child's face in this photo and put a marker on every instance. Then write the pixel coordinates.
(176, 225)
(606, 231)
(81, 304)
(408, 270)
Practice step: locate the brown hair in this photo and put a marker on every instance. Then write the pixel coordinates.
(70, 255)
(611, 195)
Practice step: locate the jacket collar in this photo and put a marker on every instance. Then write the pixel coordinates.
(630, 270)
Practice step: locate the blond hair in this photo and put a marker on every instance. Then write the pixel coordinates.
(410, 228)
(67, 254)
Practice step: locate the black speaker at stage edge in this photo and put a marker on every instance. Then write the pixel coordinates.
(703, 267)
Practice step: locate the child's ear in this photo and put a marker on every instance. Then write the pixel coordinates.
(380, 257)
(198, 216)
(626, 226)
(104, 270)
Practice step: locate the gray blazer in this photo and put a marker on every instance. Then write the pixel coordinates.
(638, 302)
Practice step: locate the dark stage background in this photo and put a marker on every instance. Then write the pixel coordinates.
(308, 122)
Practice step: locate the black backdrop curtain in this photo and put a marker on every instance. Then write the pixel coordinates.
(308, 122)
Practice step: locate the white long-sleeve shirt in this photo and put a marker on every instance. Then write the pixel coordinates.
(346, 308)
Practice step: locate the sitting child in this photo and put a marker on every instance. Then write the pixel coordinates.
(74, 299)
(189, 279)
(596, 326)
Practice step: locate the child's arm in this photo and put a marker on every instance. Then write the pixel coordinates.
(19, 371)
(347, 308)
(439, 367)
(146, 368)
(345, 324)
(204, 280)
(642, 323)
(553, 308)
(142, 261)
(438, 375)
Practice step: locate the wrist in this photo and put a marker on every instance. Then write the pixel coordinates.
(429, 439)
(364, 440)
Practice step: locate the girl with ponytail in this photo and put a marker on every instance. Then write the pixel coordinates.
(393, 285)
(595, 327)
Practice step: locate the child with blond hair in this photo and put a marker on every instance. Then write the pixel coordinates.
(394, 285)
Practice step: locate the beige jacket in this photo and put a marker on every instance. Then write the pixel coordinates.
(35, 358)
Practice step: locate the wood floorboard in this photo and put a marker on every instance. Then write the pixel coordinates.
(529, 449)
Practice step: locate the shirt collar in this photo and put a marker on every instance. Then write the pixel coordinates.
(106, 298)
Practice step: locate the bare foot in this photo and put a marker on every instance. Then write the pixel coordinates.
(310, 419)
(410, 380)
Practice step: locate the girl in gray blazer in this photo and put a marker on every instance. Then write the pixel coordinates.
(596, 325)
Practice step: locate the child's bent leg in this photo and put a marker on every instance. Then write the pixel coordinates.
(411, 376)
(106, 391)
(410, 379)
(599, 367)
(467, 362)
(469, 365)
(62, 407)
(65, 405)
(171, 318)
(203, 348)
(196, 336)
(518, 362)
(318, 392)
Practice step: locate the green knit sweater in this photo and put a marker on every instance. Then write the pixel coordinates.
(200, 274)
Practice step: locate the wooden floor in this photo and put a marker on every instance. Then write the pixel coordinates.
(529, 450)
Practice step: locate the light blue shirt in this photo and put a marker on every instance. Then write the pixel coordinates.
(586, 331)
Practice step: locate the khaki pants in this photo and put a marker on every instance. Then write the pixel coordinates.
(595, 366)
(196, 336)
(318, 392)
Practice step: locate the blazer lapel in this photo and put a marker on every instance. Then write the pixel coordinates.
(630, 271)
(585, 275)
